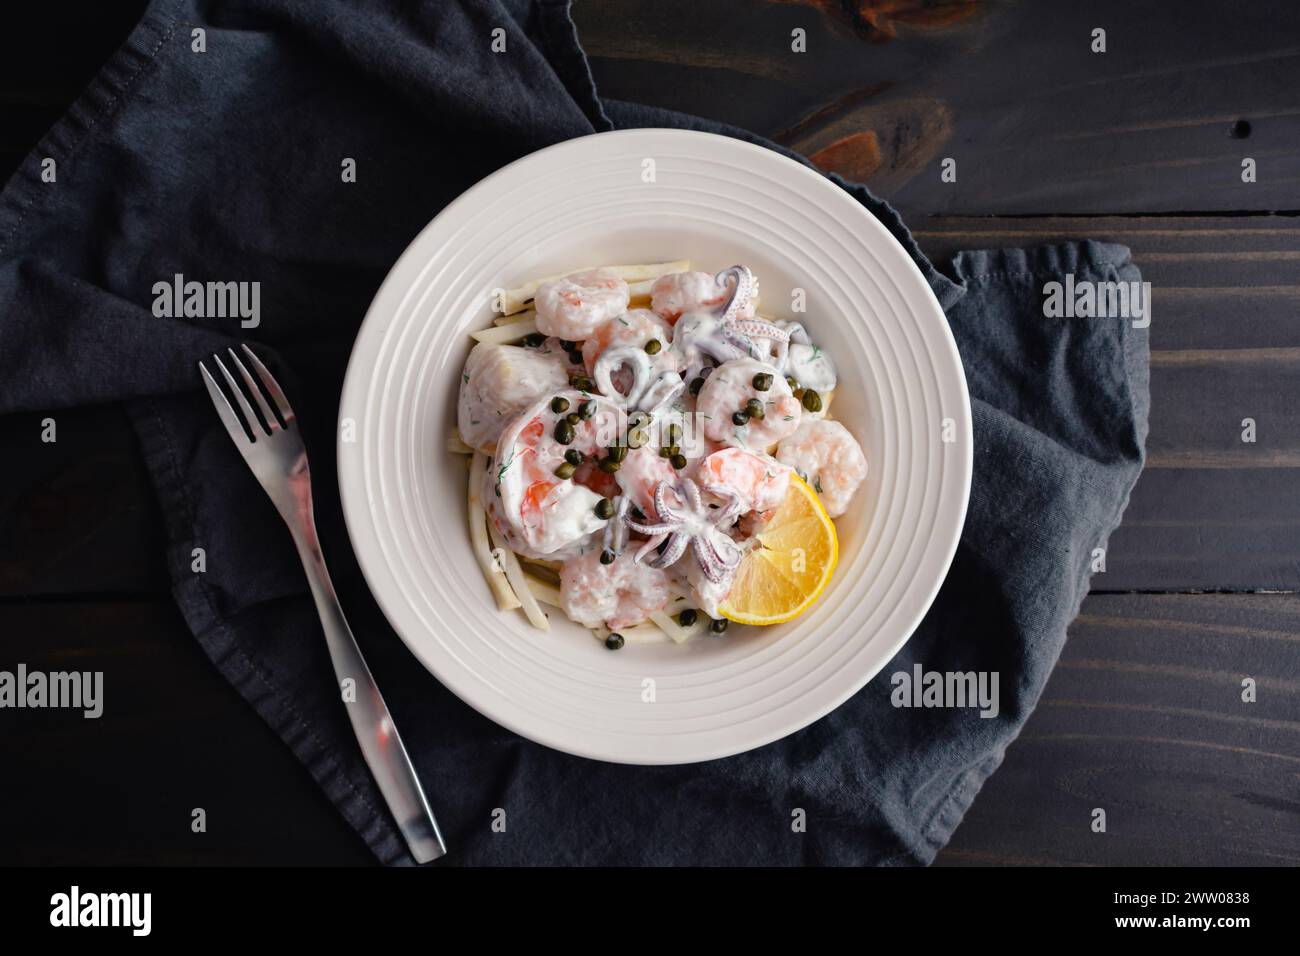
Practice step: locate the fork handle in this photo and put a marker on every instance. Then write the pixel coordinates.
(381, 745)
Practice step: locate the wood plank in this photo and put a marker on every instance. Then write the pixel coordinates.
(1155, 124)
(1211, 512)
(173, 736)
(1143, 718)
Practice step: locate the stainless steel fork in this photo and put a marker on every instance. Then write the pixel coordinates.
(269, 440)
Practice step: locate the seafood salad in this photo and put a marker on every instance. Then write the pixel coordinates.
(652, 455)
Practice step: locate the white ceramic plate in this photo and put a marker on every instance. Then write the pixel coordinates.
(716, 201)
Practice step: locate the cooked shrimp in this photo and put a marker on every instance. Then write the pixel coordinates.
(636, 327)
(616, 595)
(640, 473)
(601, 482)
(628, 352)
(825, 455)
(730, 397)
(759, 481)
(575, 306)
(515, 539)
(534, 474)
(679, 292)
(499, 382)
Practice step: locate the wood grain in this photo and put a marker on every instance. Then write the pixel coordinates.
(1037, 122)
(1211, 511)
(1143, 717)
(173, 736)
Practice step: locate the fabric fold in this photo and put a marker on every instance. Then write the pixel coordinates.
(227, 164)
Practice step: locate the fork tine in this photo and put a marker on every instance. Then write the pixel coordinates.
(250, 416)
(272, 423)
(272, 386)
(229, 417)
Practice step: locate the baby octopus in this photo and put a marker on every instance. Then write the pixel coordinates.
(643, 451)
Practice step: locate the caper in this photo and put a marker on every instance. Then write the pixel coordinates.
(754, 408)
(564, 432)
(718, 625)
(534, 340)
(798, 393)
(638, 418)
(607, 557)
(617, 452)
(559, 404)
(740, 418)
(614, 641)
(637, 437)
(582, 383)
(666, 451)
(697, 383)
(573, 457)
(653, 346)
(605, 508)
(565, 469)
(678, 461)
(674, 434)
(608, 465)
(789, 380)
(687, 617)
(812, 401)
(586, 409)
(573, 418)
(762, 381)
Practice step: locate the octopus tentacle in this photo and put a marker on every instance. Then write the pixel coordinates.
(649, 547)
(660, 529)
(689, 492)
(757, 328)
(662, 508)
(733, 505)
(677, 543)
(747, 330)
(741, 292)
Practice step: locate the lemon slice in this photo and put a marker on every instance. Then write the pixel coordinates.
(789, 566)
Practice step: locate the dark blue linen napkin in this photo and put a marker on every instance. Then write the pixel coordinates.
(221, 160)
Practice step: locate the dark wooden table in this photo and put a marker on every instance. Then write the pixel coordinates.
(1142, 144)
